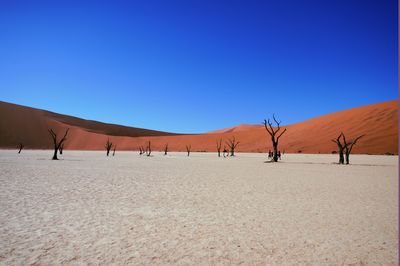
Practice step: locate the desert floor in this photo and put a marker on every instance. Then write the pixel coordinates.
(130, 209)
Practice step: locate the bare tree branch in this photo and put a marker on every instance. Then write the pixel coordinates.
(277, 123)
(61, 149)
(348, 147)
(281, 134)
(266, 126)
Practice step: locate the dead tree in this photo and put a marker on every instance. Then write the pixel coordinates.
(273, 132)
(141, 150)
(188, 148)
(166, 149)
(219, 146)
(148, 149)
(225, 152)
(61, 149)
(108, 146)
(340, 148)
(232, 144)
(349, 146)
(20, 147)
(57, 143)
(115, 146)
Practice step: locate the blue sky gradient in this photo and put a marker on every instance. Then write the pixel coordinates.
(197, 66)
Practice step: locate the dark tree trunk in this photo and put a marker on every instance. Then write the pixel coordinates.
(219, 146)
(20, 146)
(232, 144)
(348, 146)
(148, 150)
(188, 148)
(341, 157)
(275, 145)
(55, 154)
(340, 148)
(108, 146)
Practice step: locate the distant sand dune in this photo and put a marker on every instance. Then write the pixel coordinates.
(378, 121)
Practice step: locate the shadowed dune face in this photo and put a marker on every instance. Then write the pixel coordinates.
(30, 125)
(378, 121)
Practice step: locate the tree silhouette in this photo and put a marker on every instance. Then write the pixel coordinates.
(340, 147)
(166, 149)
(61, 149)
(188, 148)
(232, 144)
(115, 146)
(273, 132)
(108, 146)
(57, 143)
(349, 146)
(219, 146)
(20, 147)
(148, 149)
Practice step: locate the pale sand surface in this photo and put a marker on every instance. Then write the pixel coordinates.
(127, 209)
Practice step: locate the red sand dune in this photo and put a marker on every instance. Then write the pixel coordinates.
(29, 126)
(378, 121)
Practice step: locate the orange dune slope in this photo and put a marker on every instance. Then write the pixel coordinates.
(30, 126)
(379, 123)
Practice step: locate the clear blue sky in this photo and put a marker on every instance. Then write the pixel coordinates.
(196, 66)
